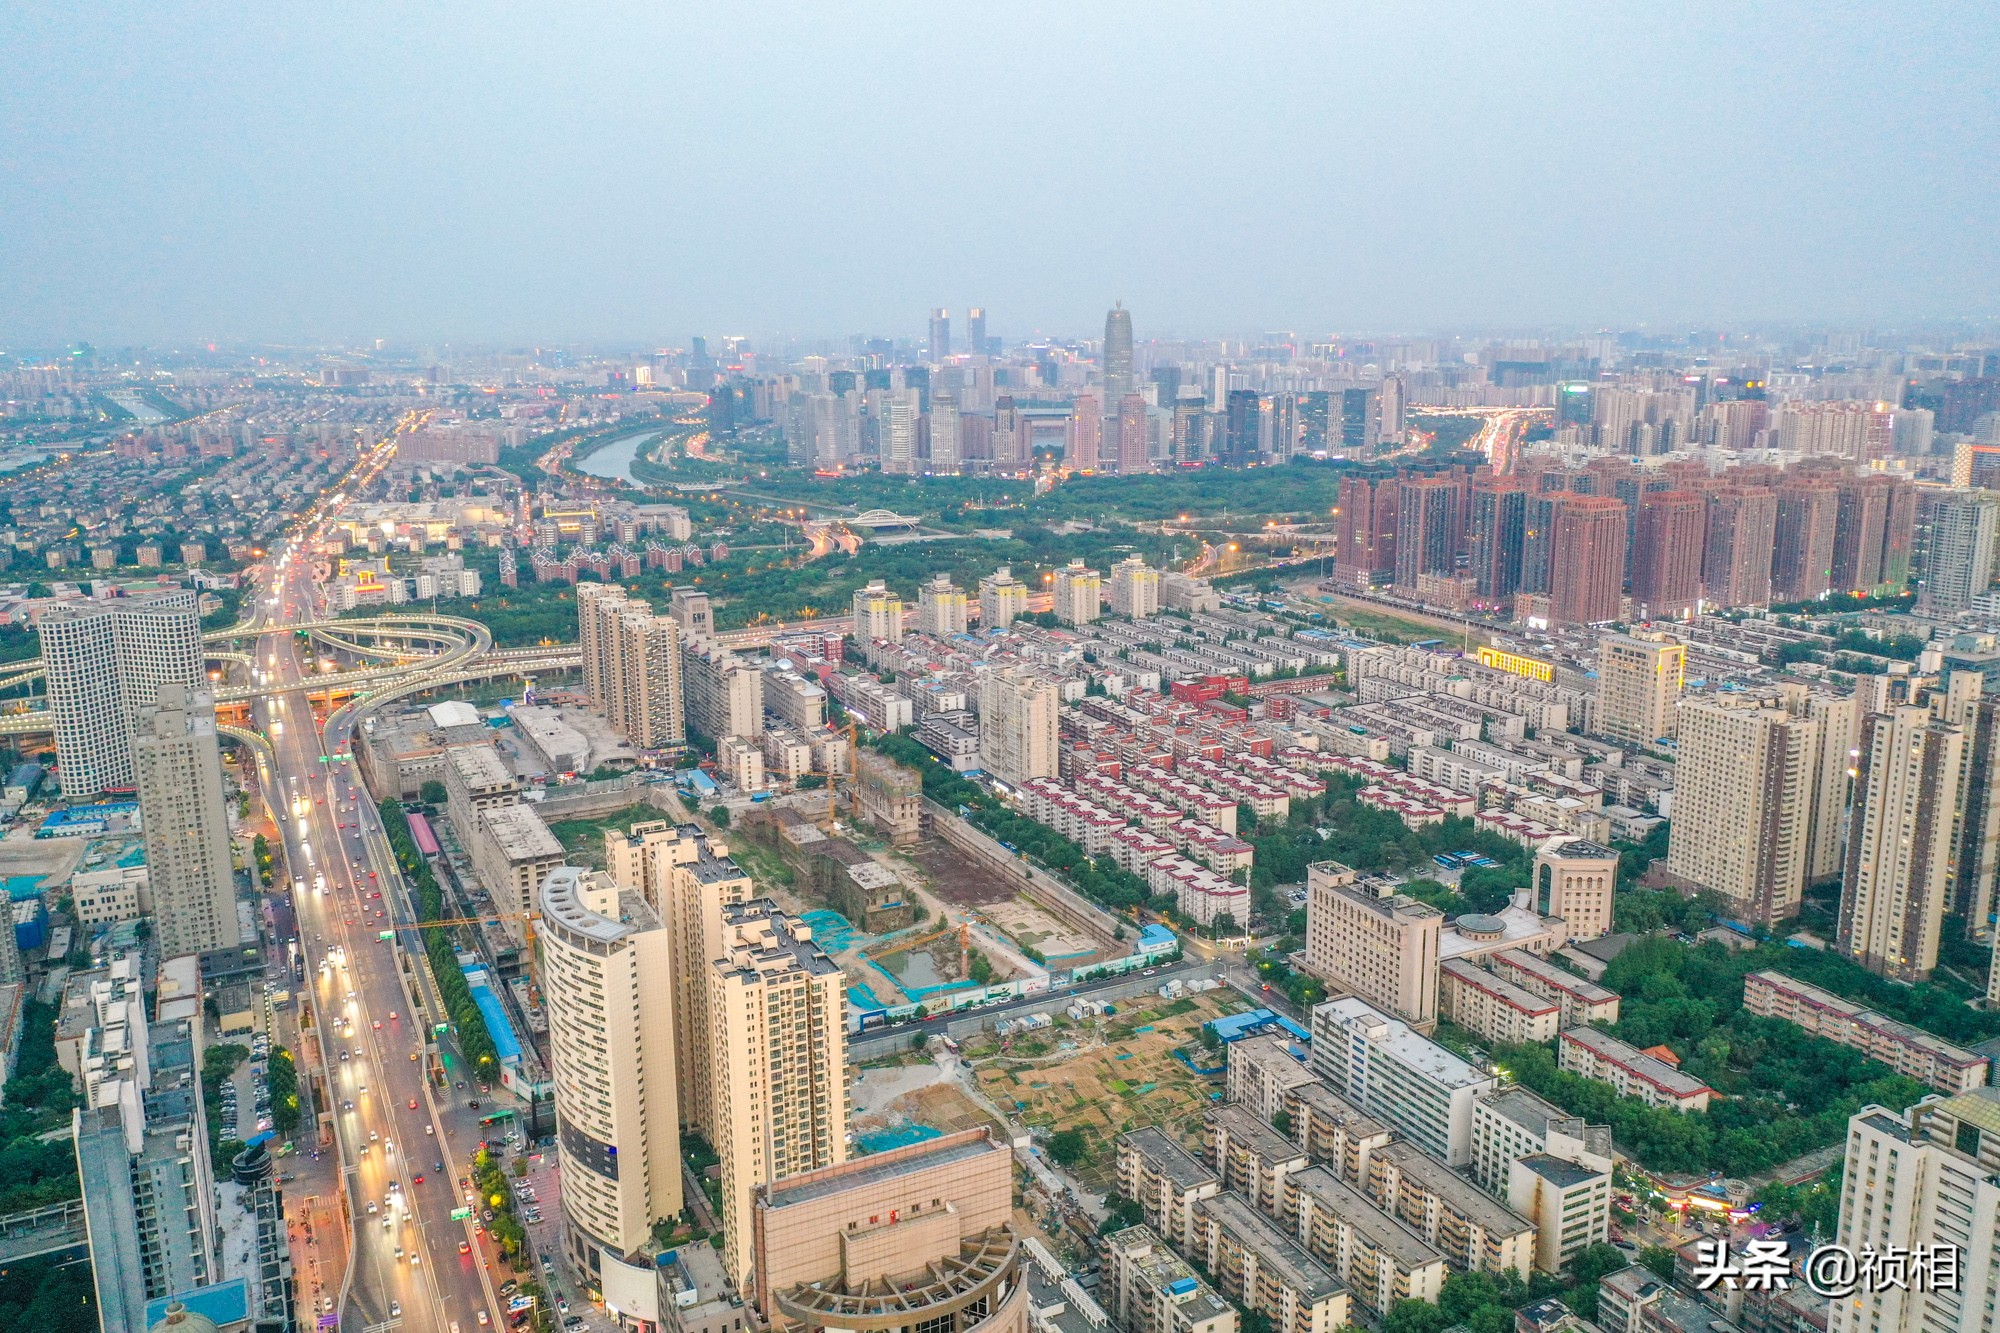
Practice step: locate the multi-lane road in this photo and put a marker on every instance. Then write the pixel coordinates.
(403, 1141)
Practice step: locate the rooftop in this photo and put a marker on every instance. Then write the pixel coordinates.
(521, 833)
(1276, 1252)
(876, 1169)
(1396, 1038)
(1558, 1171)
(1171, 1160)
(1330, 1192)
(1460, 1194)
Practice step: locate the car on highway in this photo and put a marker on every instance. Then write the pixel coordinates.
(413, 1103)
(465, 1247)
(395, 1309)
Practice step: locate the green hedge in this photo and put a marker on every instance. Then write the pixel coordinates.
(474, 1041)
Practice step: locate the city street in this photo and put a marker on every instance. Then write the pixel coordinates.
(398, 1149)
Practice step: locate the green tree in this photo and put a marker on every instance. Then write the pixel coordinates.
(719, 815)
(1659, 1259)
(433, 792)
(1123, 1212)
(1067, 1147)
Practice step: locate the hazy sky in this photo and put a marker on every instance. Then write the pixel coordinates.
(583, 171)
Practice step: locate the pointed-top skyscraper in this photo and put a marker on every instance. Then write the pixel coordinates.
(1118, 354)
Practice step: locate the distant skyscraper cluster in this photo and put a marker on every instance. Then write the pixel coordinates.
(961, 407)
(1611, 540)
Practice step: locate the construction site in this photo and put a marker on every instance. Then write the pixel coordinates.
(1105, 1070)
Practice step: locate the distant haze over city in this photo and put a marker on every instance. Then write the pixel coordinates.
(190, 173)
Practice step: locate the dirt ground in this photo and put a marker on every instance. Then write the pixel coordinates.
(957, 878)
(1108, 1076)
(51, 858)
(918, 1093)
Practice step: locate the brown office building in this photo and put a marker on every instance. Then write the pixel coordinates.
(918, 1237)
(1587, 563)
(1666, 557)
(1736, 550)
(1802, 557)
(1366, 528)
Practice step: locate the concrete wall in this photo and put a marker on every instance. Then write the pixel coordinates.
(887, 1041)
(1039, 885)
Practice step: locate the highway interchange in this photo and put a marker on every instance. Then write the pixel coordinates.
(400, 1142)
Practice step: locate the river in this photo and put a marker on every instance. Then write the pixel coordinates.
(614, 461)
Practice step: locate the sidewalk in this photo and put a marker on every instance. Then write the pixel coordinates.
(318, 1237)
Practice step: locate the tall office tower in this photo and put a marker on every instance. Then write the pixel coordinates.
(940, 334)
(1499, 525)
(1242, 423)
(1364, 552)
(946, 445)
(1538, 539)
(1135, 588)
(103, 664)
(1960, 530)
(778, 1047)
(1899, 848)
(1086, 433)
(1802, 553)
(1079, 594)
(178, 769)
(1747, 787)
(608, 986)
(1587, 561)
(1017, 724)
(941, 606)
(1666, 555)
(1166, 382)
(1427, 526)
(1133, 446)
(1002, 599)
(975, 330)
(1392, 405)
(1639, 687)
(1187, 437)
(878, 614)
(1929, 1176)
(1011, 437)
(1117, 364)
(1873, 530)
(1360, 422)
(899, 433)
(1737, 543)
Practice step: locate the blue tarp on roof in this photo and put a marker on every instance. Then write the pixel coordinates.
(504, 1041)
(1238, 1026)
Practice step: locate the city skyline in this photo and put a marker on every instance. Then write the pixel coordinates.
(1383, 169)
